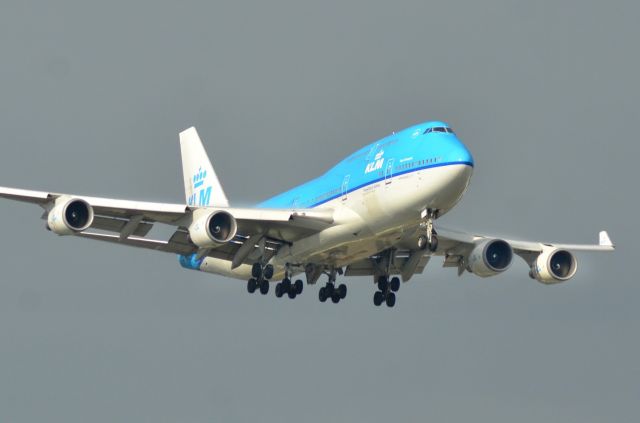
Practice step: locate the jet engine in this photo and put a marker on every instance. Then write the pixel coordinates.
(554, 266)
(213, 229)
(69, 215)
(490, 257)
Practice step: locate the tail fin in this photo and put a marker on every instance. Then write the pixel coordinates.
(201, 185)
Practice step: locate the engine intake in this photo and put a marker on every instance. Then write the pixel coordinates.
(70, 215)
(554, 266)
(213, 229)
(490, 257)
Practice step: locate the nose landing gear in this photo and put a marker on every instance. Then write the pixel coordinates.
(430, 239)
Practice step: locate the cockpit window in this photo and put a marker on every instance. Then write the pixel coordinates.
(439, 129)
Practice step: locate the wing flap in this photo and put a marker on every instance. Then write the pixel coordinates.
(150, 244)
(403, 264)
(118, 225)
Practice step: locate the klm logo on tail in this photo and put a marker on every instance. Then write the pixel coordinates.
(203, 195)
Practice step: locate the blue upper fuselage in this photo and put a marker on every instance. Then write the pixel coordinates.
(423, 146)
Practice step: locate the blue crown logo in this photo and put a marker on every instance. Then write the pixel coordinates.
(198, 178)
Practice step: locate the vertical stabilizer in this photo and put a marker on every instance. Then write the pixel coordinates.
(201, 185)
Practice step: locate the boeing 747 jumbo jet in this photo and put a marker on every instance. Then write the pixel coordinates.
(372, 214)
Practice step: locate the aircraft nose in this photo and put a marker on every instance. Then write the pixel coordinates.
(458, 152)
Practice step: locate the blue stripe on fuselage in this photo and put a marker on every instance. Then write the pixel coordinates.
(408, 151)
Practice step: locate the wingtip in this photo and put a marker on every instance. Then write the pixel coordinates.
(605, 240)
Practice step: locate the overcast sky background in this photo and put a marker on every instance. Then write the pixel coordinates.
(92, 97)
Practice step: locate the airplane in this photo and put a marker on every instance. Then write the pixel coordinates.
(372, 214)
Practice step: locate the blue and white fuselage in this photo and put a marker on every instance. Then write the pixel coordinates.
(376, 194)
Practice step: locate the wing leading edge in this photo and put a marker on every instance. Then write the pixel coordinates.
(128, 222)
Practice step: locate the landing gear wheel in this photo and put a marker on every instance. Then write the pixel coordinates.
(378, 297)
(264, 287)
(342, 291)
(256, 270)
(292, 293)
(330, 288)
(433, 246)
(391, 299)
(335, 298)
(383, 283)
(422, 242)
(268, 271)
(298, 287)
(322, 294)
(395, 284)
(286, 285)
(252, 284)
(279, 290)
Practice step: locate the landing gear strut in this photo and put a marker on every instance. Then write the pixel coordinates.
(331, 291)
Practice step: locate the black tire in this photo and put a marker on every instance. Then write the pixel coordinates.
(391, 299)
(342, 291)
(264, 287)
(383, 283)
(395, 284)
(292, 293)
(268, 271)
(322, 294)
(422, 242)
(335, 298)
(256, 270)
(434, 243)
(252, 284)
(279, 290)
(298, 286)
(286, 284)
(378, 298)
(330, 288)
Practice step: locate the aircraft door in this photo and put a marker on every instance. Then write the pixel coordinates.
(345, 187)
(388, 172)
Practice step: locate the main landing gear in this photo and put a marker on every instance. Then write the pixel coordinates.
(291, 289)
(386, 291)
(260, 278)
(331, 291)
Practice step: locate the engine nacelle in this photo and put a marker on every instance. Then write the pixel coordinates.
(70, 215)
(213, 229)
(490, 257)
(554, 266)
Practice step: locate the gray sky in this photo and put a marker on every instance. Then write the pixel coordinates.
(92, 97)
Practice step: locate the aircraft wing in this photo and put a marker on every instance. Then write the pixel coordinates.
(128, 222)
(453, 242)
(456, 247)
